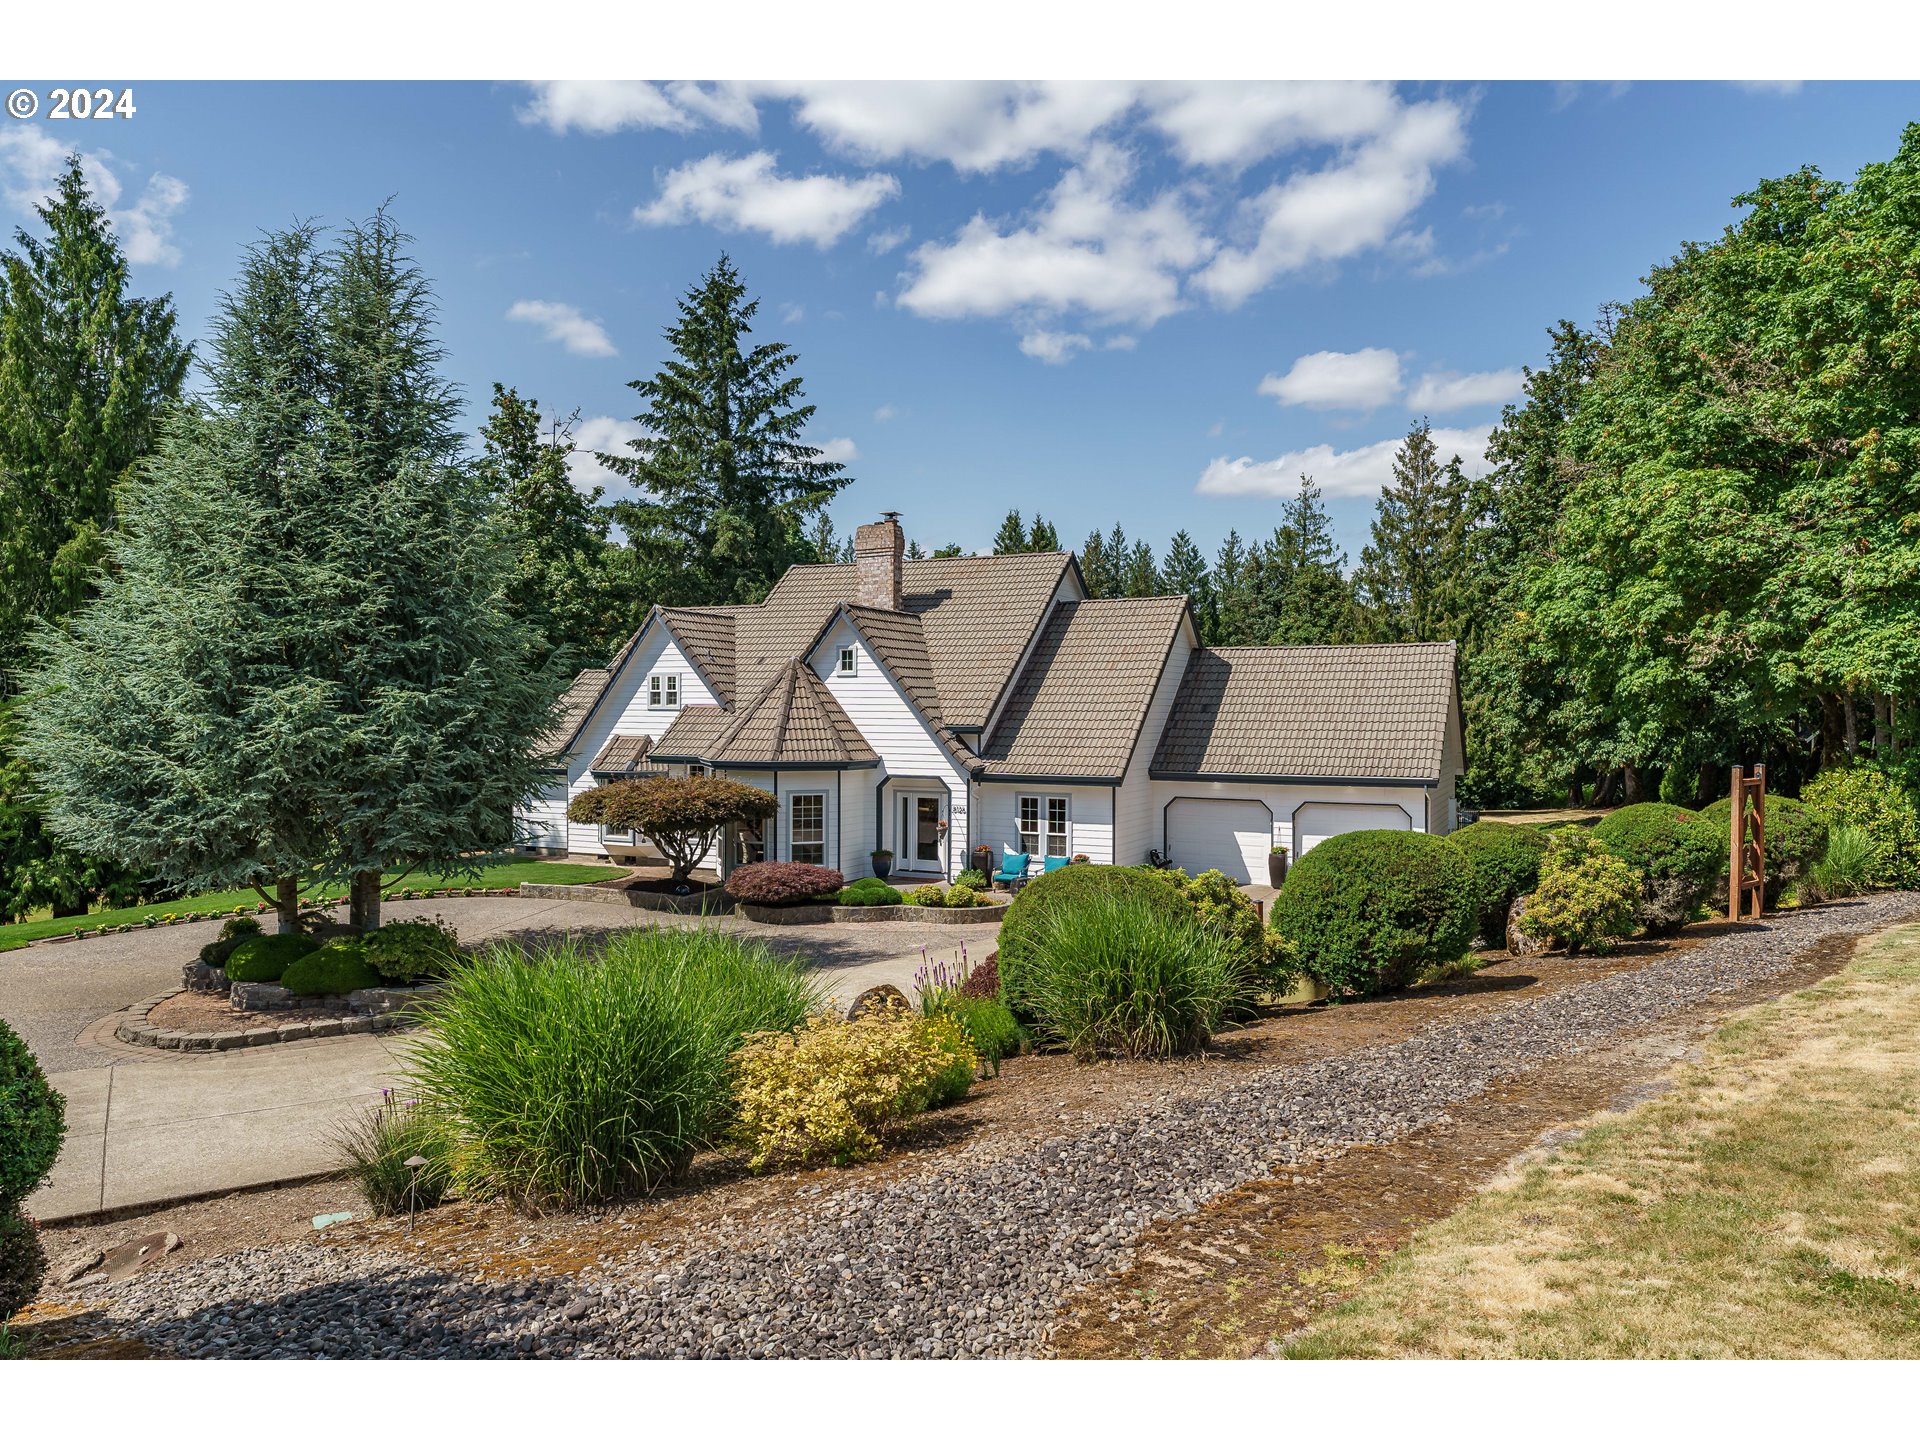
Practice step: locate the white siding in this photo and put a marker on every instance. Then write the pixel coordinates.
(1453, 761)
(1089, 819)
(910, 756)
(1136, 825)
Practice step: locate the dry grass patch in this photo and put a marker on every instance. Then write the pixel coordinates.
(1760, 1208)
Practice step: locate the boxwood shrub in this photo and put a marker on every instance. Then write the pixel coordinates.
(1678, 854)
(869, 891)
(1369, 910)
(334, 969)
(32, 1120)
(782, 882)
(266, 957)
(1505, 860)
(1796, 841)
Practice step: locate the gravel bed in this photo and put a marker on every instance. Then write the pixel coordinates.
(968, 1255)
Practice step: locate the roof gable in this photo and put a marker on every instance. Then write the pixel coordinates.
(794, 720)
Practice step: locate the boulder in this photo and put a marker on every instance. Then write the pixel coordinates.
(880, 1000)
(1518, 941)
(204, 979)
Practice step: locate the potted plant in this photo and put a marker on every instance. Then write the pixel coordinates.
(882, 863)
(1082, 859)
(1277, 866)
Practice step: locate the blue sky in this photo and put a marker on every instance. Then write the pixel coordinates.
(1150, 304)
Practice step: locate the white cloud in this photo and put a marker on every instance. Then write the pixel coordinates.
(1338, 380)
(1364, 471)
(599, 434)
(1121, 342)
(883, 241)
(1087, 251)
(32, 162)
(884, 414)
(748, 194)
(565, 325)
(1357, 202)
(1771, 87)
(600, 107)
(792, 314)
(1053, 347)
(1235, 123)
(1445, 390)
(840, 450)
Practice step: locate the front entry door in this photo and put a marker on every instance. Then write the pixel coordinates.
(920, 837)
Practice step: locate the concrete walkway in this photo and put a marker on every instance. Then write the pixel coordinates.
(146, 1127)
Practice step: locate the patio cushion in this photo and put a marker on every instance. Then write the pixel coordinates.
(1055, 862)
(1014, 864)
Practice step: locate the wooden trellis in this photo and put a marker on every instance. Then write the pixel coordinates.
(1747, 853)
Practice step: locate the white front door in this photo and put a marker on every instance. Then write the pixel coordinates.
(920, 839)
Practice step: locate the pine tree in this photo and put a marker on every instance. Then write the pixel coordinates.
(724, 480)
(947, 552)
(567, 579)
(1305, 568)
(1411, 569)
(1097, 568)
(1042, 538)
(827, 544)
(1185, 573)
(1235, 597)
(914, 552)
(1011, 537)
(1142, 574)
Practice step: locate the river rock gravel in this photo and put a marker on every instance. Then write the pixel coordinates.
(970, 1254)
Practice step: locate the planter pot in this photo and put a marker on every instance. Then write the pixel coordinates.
(1276, 870)
(882, 866)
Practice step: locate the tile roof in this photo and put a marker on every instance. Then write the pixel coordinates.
(705, 636)
(622, 756)
(794, 720)
(572, 709)
(1354, 712)
(692, 731)
(1077, 706)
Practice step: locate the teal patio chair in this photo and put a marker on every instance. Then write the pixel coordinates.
(1055, 862)
(1012, 871)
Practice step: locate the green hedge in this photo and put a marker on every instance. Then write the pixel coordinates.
(23, 1264)
(1796, 841)
(1506, 865)
(1877, 803)
(869, 891)
(335, 969)
(32, 1120)
(266, 957)
(1369, 910)
(1680, 857)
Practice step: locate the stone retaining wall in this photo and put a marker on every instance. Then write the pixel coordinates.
(870, 914)
(135, 1029)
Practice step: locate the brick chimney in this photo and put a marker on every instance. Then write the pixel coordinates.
(879, 553)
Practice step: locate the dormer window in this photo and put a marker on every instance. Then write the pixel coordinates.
(663, 692)
(847, 659)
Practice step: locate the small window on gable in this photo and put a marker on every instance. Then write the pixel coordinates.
(663, 691)
(847, 661)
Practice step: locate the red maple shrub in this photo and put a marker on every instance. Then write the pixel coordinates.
(781, 882)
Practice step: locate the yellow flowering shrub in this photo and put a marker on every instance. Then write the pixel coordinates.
(823, 1093)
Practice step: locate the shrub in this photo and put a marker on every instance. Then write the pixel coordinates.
(1370, 910)
(218, 952)
(983, 980)
(1874, 802)
(411, 950)
(962, 897)
(682, 815)
(826, 1092)
(1505, 860)
(574, 1080)
(927, 895)
(1210, 898)
(989, 1024)
(781, 882)
(1123, 973)
(32, 1120)
(23, 1264)
(240, 927)
(377, 1144)
(1847, 867)
(951, 1039)
(1796, 838)
(1678, 855)
(266, 957)
(1586, 896)
(869, 892)
(972, 879)
(335, 969)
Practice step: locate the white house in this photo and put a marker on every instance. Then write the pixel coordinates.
(930, 706)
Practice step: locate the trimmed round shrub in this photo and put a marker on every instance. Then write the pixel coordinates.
(972, 879)
(1587, 895)
(870, 891)
(411, 950)
(335, 969)
(240, 927)
(927, 895)
(782, 882)
(962, 897)
(32, 1120)
(1796, 841)
(1369, 910)
(983, 980)
(23, 1264)
(1875, 802)
(1506, 865)
(266, 957)
(1679, 857)
(216, 953)
(1124, 973)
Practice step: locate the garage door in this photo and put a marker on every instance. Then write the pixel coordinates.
(1324, 819)
(1231, 836)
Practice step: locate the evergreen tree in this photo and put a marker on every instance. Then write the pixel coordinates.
(914, 552)
(1042, 538)
(1235, 597)
(724, 481)
(1142, 574)
(1097, 568)
(1011, 537)
(828, 546)
(567, 578)
(1411, 568)
(947, 552)
(1305, 569)
(1185, 573)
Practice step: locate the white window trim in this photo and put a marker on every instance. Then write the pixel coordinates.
(1043, 799)
(826, 828)
(663, 691)
(848, 661)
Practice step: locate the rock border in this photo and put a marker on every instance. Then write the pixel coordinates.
(134, 1029)
(710, 902)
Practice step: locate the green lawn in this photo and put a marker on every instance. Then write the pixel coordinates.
(507, 874)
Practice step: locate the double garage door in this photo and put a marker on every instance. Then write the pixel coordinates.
(1233, 836)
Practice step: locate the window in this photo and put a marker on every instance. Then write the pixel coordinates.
(699, 770)
(1042, 823)
(847, 654)
(807, 832)
(663, 692)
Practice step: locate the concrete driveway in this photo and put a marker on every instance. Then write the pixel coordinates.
(149, 1126)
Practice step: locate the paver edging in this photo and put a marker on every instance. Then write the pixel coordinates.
(134, 1028)
(870, 914)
